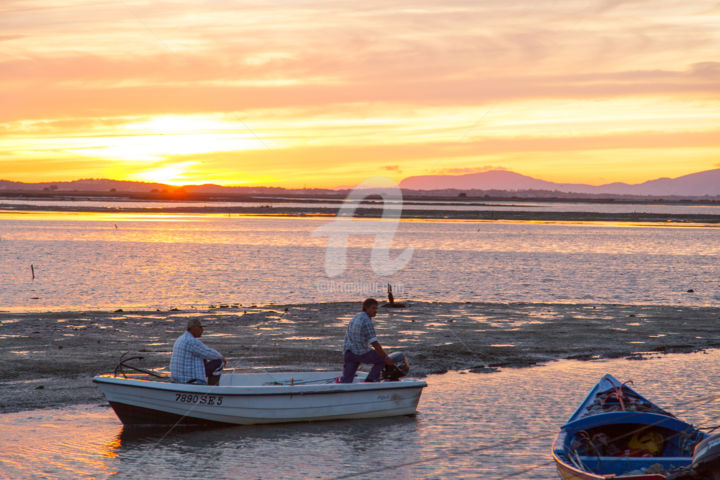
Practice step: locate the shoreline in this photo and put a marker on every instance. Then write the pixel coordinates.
(445, 208)
(263, 194)
(51, 357)
(666, 219)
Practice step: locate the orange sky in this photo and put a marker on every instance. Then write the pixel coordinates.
(324, 94)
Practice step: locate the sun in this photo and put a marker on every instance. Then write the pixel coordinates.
(158, 139)
(173, 174)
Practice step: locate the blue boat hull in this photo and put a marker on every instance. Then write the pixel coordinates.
(617, 433)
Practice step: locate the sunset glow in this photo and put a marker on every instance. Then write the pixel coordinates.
(324, 94)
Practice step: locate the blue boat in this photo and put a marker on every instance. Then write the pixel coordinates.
(618, 434)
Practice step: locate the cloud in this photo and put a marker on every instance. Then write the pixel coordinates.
(231, 59)
(70, 168)
(58, 100)
(467, 81)
(709, 70)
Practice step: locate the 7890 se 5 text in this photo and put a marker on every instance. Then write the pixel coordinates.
(199, 399)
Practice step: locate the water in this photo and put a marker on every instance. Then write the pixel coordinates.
(490, 426)
(86, 261)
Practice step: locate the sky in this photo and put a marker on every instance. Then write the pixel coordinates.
(323, 94)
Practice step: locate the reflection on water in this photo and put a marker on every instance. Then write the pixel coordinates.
(70, 443)
(271, 451)
(491, 426)
(91, 263)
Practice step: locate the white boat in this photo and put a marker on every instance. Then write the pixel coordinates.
(255, 398)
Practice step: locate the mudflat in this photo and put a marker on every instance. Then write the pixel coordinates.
(48, 359)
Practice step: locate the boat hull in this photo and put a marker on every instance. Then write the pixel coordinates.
(142, 402)
(618, 434)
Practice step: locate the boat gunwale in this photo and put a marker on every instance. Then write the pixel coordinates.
(626, 417)
(260, 390)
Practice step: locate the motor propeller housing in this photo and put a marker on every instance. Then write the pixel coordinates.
(397, 371)
(707, 457)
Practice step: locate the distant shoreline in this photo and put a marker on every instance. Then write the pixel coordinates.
(274, 206)
(409, 196)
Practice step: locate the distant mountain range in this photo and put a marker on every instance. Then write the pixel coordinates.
(101, 185)
(497, 182)
(695, 184)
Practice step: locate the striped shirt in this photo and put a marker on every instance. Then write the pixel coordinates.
(187, 358)
(360, 334)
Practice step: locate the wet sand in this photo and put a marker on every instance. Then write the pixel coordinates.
(48, 359)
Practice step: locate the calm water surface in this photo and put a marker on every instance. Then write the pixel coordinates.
(487, 426)
(108, 261)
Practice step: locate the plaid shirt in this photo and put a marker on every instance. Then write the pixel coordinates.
(186, 362)
(360, 334)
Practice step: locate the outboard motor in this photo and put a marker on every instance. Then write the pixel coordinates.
(397, 371)
(705, 463)
(706, 459)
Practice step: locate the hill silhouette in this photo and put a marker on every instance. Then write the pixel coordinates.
(705, 183)
(496, 183)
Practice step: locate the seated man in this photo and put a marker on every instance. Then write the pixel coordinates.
(359, 337)
(194, 362)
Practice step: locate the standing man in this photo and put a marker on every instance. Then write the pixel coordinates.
(360, 336)
(194, 362)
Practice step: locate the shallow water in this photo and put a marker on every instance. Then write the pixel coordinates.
(107, 261)
(490, 426)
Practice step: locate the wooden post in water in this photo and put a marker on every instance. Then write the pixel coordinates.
(391, 300)
(32, 270)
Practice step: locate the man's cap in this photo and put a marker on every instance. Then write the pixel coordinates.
(194, 322)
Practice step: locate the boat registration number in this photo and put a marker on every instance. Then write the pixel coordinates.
(199, 399)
